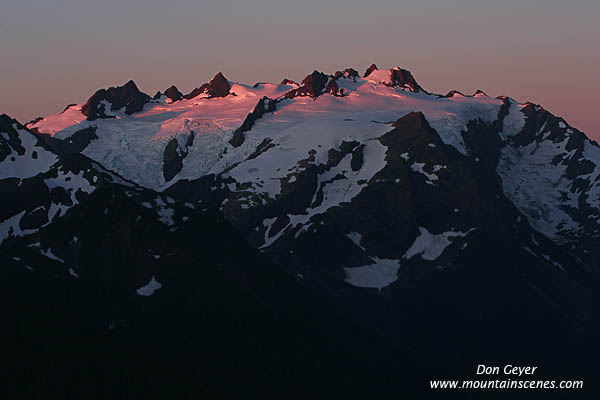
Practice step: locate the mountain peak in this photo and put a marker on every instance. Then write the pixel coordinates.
(217, 87)
(347, 73)
(393, 77)
(218, 77)
(314, 78)
(130, 85)
(312, 85)
(372, 68)
(173, 93)
(4, 118)
(128, 96)
(403, 77)
(6, 123)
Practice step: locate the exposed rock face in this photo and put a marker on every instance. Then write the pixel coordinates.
(173, 160)
(73, 144)
(349, 73)
(333, 88)
(398, 77)
(372, 68)
(288, 82)
(484, 144)
(264, 105)
(104, 101)
(36, 120)
(173, 93)
(451, 94)
(174, 155)
(218, 87)
(313, 85)
(13, 142)
(402, 77)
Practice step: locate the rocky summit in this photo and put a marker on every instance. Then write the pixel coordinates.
(360, 231)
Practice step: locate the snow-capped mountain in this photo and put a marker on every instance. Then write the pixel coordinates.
(261, 137)
(203, 122)
(438, 223)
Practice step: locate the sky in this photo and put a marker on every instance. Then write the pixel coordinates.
(57, 52)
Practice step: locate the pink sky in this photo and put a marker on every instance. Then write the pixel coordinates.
(56, 52)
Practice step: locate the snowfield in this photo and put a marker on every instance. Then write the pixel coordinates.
(133, 145)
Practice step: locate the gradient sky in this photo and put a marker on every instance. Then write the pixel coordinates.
(56, 52)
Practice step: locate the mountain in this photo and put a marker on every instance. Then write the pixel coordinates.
(556, 184)
(459, 229)
(111, 288)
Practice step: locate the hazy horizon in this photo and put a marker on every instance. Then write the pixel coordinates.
(58, 52)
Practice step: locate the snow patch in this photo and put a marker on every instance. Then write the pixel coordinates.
(430, 246)
(150, 288)
(419, 167)
(48, 253)
(514, 121)
(356, 239)
(382, 273)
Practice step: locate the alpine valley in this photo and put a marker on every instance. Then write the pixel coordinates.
(351, 234)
